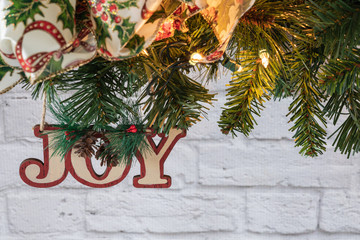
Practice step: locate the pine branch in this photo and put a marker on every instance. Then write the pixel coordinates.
(272, 26)
(336, 25)
(178, 101)
(248, 91)
(305, 110)
(341, 78)
(348, 134)
(100, 91)
(341, 75)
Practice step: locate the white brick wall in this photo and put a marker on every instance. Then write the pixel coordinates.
(241, 189)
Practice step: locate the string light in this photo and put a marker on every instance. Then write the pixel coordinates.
(264, 56)
(145, 52)
(195, 58)
(231, 65)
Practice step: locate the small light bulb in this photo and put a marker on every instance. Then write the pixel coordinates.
(240, 68)
(145, 52)
(195, 58)
(264, 55)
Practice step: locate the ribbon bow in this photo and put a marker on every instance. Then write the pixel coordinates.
(46, 38)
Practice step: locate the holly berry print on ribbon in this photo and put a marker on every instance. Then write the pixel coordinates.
(47, 37)
(44, 38)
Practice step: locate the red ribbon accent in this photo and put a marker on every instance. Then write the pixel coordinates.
(132, 129)
(11, 56)
(36, 61)
(41, 58)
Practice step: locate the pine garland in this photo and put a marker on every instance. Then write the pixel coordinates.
(313, 53)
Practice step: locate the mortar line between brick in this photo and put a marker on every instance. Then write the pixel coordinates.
(7, 227)
(321, 195)
(2, 121)
(246, 214)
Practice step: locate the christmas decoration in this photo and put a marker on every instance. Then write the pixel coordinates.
(125, 66)
(54, 169)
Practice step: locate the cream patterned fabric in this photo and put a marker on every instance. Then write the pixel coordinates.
(42, 38)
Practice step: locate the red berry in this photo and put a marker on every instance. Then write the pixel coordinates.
(117, 19)
(99, 7)
(113, 8)
(94, 10)
(104, 17)
(132, 129)
(103, 1)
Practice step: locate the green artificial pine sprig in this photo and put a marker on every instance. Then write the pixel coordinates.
(305, 110)
(248, 91)
(341, 80)
(336, 27)
(120, 143)
(313, 58)
(173, 98)
(99, 91)
(270, 27)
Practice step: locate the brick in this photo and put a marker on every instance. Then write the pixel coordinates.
(252, 236)
(2, 216)
(208, 128)
(2, 126)
(20, 91)
(267, 158)
(12, 154)
(181, 164)
(285, 213)
(42, 212)
(324, 177)
(247, 152)
(164, 213)
(121, 223)
(190, 223)
(273, 123)
(247, 165)
(20, 116)
(340, 212)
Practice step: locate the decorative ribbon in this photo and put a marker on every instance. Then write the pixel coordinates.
(117, 23)
(38, 60)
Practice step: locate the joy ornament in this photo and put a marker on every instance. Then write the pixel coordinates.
(53, 170)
